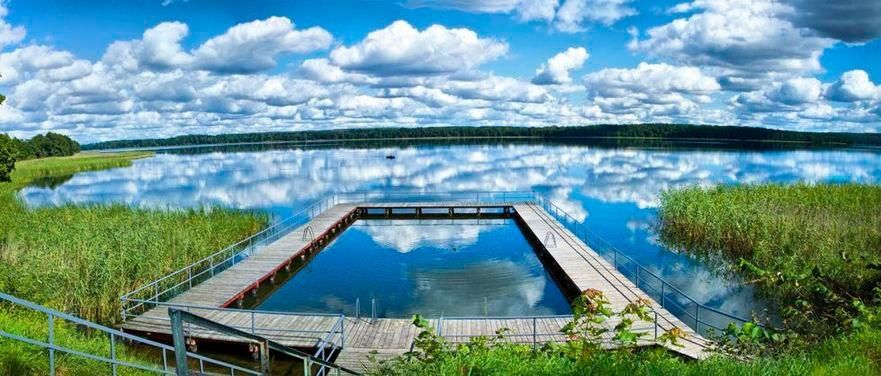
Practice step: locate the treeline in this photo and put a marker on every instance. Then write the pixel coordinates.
(639, 131)
(40, 146)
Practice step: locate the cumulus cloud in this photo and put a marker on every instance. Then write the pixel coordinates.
(401, 49)
(253, 46)
(568, 16)
(245, 48)
(9, 35)
(743, 41)
(573, 13)
(853, 86)
(556, 70)
(160, 46)
(650, 90)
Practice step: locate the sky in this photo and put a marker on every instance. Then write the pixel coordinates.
(102, 70)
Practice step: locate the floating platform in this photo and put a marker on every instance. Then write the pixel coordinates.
(575, 266)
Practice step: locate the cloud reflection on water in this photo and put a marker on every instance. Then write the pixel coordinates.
(603, 186)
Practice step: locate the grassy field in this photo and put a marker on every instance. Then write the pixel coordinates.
(80, 258)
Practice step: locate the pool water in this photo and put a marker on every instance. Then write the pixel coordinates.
(451, 267)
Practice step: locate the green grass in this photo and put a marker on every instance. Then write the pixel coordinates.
(830, 230)
(855, 354)
(80, 258)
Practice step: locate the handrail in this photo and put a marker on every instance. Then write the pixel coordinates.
(201, 269)
(178, 317)
(639, 327)
(570, 223)
(669, 294)
(113, 335)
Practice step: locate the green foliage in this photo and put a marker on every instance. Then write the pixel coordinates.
(630, 131)
(813, 248)
(855, 354)
(80, 259)
(8, 156)
(43, 146)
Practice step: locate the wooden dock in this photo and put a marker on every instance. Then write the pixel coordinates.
(576, 265)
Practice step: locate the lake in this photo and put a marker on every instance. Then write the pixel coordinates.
(613, 190)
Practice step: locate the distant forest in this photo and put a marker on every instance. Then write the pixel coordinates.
(635, 131)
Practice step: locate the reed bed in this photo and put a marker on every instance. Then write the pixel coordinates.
(79, 259)
(833, 230)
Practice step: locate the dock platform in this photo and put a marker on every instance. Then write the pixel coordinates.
(575, 265)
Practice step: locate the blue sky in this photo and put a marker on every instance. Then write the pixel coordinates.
(101, 70)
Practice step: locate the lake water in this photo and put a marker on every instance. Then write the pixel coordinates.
(461, 267)
(613, 190)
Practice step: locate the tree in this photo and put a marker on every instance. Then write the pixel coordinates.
(7, 157)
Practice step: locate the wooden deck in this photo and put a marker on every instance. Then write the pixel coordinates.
(579, 266)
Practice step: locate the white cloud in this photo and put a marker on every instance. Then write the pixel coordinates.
(574, 13)
(650, 79)
(790, 95)
(743, 41)
(160, 46)
(9, 35)
(253, 46)
(556, 70)
(401, 49)
(570, 17)
(853, 86)
(322, 70)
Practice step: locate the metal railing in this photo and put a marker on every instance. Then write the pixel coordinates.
(115, 358)
(332, 337)
(693, 313)
(264, 345)
(538, 330)
(172, 284)
(418, 196)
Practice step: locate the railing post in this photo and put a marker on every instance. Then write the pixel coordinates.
(190, 275)
(342, 331)
(662, 293)
(697, 318)
(307, 367)
(113, 353)
(534, 335)
(52, 344)
(180, 343)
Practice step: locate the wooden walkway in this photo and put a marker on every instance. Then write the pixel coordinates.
(575, 263)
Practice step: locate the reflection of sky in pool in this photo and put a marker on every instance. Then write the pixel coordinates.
(614, 191)
(429, 267)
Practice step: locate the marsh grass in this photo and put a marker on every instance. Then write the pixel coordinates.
(79, 259)
(829, 229)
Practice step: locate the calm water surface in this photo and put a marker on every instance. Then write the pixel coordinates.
(613, 190)
(463, 267)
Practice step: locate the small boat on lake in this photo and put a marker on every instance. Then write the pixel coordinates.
(390, 156)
